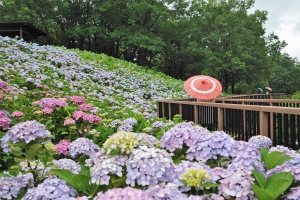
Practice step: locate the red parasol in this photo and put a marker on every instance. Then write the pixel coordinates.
(203, 87)
(268, 88)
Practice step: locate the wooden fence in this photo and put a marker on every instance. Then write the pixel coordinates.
(277, 119)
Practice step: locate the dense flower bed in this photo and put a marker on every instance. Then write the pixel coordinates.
(74, 128)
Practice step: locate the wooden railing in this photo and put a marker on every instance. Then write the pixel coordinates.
(278, 119)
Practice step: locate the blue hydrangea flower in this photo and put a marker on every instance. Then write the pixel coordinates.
(24, 131)
(294, 194)
(163, 192)
(148, 166)
(180, 135)
(288, 152)
(10, 187)
(106, 165)
(68, 164)
(122, 194)
(238, 185)
(83, 146)
(51, 188)
(206, 197)
(261, 141)
(145, 139)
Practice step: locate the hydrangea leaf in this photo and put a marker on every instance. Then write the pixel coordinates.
(278, 183)
(260, 193)
(275, 158)
(32, 151)
(260, 178)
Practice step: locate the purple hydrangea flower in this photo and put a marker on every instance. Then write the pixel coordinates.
(130, 121)
(5, 122)
(247, 164)
(180, 135)
(83, 146)
(209, 146)
(51, 188)
(294, 194)
(11, 186)
(238, 185)
(245, 149)
(288, 152)
(148, 166)
(158, 124)
(206, 197)
(145, 139)
(51, 103)
(104, 166)
(68, 164)
(292, 166)
(125, 127)
(122, 194)
(25, 131)
(261, 141)
(163, 192)
(116, 122)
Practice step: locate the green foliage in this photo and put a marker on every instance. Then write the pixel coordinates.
(273, 159)
(273, 187)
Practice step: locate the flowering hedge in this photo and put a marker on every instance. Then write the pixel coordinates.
(77, 125)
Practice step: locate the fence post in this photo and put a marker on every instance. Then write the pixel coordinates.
(196, 114)
(263, 123)
(220, 118)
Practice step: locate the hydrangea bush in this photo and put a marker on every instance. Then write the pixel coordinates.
(78, 125)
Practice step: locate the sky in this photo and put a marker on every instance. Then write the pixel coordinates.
(284, 20)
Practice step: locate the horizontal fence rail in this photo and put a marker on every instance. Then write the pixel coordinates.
(277, 119)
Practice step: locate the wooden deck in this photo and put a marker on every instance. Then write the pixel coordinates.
(276, 118)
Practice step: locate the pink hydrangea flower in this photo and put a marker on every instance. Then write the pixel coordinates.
(5, 122)
(85, 107)
(3, 85)
(17, 114)
(47, 111)
(62, 147)
(92, 118)
(69, 121)
(52, 103)
(78, 114)
(2, 113)
(77, 99)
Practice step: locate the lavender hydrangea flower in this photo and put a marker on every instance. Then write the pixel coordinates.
(130, 121)
(10, 187)
(206, 197)
(51, 188)
(245, 149)
(148, 166)
(261, 141)
(115, 122)
(145, 139)
(180, 135)
(83, 146)
(125, 127)
(288, 152)
(158, 124)
(104, 166)
(292, 166)
(238, 185)
(294, 194)
(68, 164)
(123, 193)
(164, 192)
(247, 164)
(25, 131)
(210, 146)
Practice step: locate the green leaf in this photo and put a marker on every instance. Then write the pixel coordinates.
(17, 151)
(33, 151)
(85, 170)
(119, 182)
(183, 181)
(278, 183)
(264, 153)
(78, 181)
(260, 193)
(282, 160)
(210, 184)
(260, 178)
(272, 159)
(4, 175)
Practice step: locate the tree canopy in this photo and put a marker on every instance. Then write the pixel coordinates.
(180, 38)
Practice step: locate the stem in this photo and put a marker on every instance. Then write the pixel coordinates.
(34, 175)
